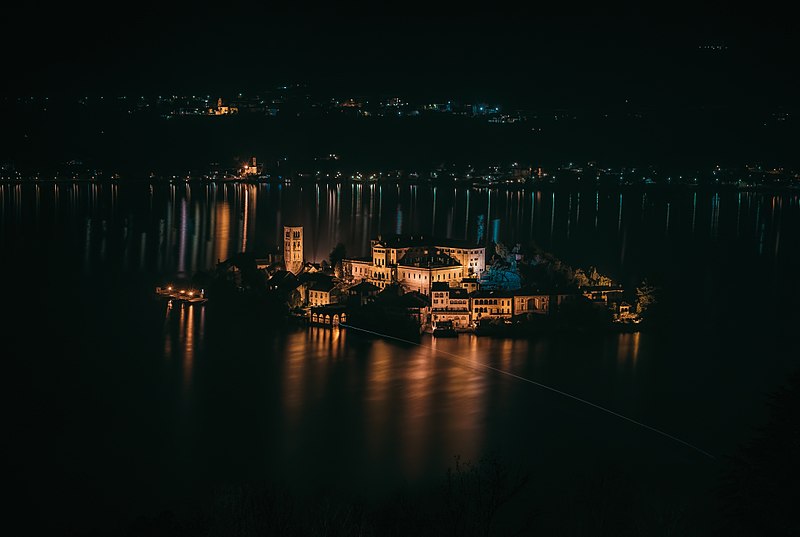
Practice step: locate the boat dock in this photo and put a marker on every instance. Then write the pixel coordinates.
(192, 296)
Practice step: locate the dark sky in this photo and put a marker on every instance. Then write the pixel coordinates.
(518, 58)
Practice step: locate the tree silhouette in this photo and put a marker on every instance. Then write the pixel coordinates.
(760, 484)
(338, 253)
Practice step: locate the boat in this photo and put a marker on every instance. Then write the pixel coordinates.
(444, 329)
(190, 296)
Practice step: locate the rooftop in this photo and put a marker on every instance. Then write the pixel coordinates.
(428, 261)
(364, 287)
(322, 285)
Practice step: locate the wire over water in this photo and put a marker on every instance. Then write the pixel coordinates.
(540, 385)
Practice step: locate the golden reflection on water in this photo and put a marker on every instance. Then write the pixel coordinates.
(187, 340)
(628, 349)
(418, 428)
(186, 335)
(222, 230)
(309, 355)
(420, 401)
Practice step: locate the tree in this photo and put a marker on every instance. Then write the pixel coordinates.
(580, 279)
(757, 484)
(645, 296)
(501, 250)
(597, 279)
(338, 253)
(294, 299)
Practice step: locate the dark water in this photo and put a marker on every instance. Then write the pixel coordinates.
(119, 406)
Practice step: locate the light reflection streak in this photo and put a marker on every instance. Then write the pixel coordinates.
(182, 231)
(738, 212)
(380, 206)
(187, 336)
(533, 211)
(569, 214)
(142, 247)
(714, 214)
(466, 216)
(450, 214)
(433, 219)
(222, 230)
(488, 214)
(596, 209)
(628, 349)
(245, 219)
(644, 202)
(126, 244)
(87, 245)
(198, 222)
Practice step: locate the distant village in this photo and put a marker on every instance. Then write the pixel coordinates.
(411, 284)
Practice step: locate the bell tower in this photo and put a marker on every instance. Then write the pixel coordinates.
(293, 248)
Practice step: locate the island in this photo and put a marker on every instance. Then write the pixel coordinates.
(411, 285)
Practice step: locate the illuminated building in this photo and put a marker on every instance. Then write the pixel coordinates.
(250, 168)
(319, 293)
(417, 264)
(222, 110)
(449, 304)
(293, 248)
(491, 305)
(529, 301)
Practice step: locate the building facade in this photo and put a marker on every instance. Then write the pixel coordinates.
(417, 263)
(533, 302)
(449, 304)
(491, 305)
(319, 293)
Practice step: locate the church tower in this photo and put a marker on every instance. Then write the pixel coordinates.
(293, 248)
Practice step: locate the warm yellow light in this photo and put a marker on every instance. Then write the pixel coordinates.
(169, 288)
(182, 291)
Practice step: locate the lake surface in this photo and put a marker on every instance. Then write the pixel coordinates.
(120, 406)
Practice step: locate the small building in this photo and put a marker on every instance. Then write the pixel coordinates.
(282, 280)
(417, 306)
(319, 292)
(449, 305)
(361, 293)
(533, 301)
(491, 305)
(470, 284)
(624, 313)
(601, 294)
